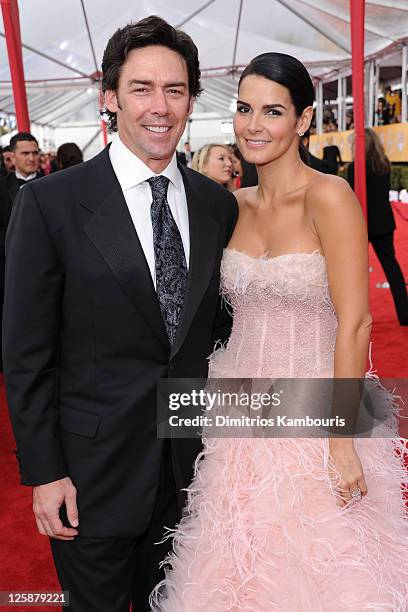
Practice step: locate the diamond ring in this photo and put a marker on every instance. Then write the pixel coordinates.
(356, 494)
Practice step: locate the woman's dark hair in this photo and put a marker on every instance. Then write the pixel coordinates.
(69, 154)
(145, 33)
(375, 154)
(289, 72)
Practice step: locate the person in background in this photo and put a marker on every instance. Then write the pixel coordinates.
(381, 222)
(311, 160)
(69, 154)
(188, 154)
(5, 211)
(185, 157)
(349, 120)
(26, 157)
(332, 155)
(237, 169)
(215, 161)
(393, 101)
(24, 154)
(247, 171)
(6, 162)
(383, 112)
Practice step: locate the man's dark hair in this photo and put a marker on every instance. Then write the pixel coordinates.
(145, 33)
(6, 149)
(21, 136)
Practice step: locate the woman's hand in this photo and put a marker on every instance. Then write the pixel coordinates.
(346, 463)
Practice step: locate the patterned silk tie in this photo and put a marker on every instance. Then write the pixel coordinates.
(170, 260)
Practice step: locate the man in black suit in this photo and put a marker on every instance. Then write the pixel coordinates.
(25, 157)
(185, 157)
(112, 283)
(26, 154)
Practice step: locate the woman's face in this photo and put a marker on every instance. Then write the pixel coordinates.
(219, 165)
(265, 122)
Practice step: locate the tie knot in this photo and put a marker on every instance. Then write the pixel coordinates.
(158, 185)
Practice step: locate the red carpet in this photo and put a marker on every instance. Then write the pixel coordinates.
(389, 340)
(25, 558)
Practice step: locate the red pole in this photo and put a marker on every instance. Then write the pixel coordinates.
(357, 9)
(13, 38)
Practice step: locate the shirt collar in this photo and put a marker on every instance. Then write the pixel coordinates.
(131, 170)
(30, 177)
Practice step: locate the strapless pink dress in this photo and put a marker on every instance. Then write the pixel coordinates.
(262, 530)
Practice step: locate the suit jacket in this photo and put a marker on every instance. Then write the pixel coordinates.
(85, 343)
(14, 184)
(9, 188)
(380, 218)
(6, 204)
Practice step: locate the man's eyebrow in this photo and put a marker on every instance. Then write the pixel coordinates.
(265, 106)
(132, 82)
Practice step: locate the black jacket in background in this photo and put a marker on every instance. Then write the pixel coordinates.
(380, 217)
(14, 184)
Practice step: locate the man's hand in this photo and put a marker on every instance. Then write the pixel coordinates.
(47, 500)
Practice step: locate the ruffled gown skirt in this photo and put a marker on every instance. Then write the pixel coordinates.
(262, 530)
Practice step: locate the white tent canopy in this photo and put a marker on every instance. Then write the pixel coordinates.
(61, 56)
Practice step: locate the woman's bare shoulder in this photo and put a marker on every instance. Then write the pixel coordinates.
(328, 191)
(245, 196)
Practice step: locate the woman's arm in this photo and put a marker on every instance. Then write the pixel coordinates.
(341, 228)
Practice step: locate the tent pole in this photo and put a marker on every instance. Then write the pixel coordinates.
(376, 89)
(339, 103)
(371, 94)
(357, 10)
(341, 100)
(319, 107)
(13, 39)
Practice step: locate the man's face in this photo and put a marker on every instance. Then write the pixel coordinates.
(8, 161)
(26, 157)
(152, 104)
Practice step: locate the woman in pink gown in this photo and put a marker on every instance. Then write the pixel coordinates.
(292, 524)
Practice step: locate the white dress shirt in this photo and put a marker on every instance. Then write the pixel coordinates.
(22, 177)
(132, 175)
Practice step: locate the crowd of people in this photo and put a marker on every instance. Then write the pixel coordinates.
(21, 162)
(388, 110)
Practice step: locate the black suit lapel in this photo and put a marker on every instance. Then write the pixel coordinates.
(112, 231)
(203, 240)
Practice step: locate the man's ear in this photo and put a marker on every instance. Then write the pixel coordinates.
(111, 100)
(190, 106)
